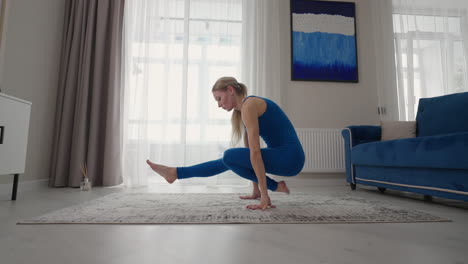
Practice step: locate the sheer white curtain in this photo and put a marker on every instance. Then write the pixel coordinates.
(175, 50)
(384, 53)
(431, 48)
(261, 48)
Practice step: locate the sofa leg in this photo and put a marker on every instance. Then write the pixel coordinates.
(427, 198)
(353, 186)
(381, 189)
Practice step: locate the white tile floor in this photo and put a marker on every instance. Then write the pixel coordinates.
(307, 243)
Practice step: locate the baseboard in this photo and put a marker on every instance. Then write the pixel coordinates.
(323, 175)
(31, 185)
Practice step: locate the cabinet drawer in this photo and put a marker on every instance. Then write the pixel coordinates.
(14, 123)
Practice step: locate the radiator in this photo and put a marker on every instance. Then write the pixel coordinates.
(323, 149)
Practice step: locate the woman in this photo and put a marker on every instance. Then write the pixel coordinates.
(256, 117)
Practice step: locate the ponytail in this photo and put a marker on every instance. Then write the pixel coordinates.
(236, 119)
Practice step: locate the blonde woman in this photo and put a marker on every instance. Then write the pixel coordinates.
(254, 117)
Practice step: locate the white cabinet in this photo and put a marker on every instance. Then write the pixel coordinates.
(14, 129)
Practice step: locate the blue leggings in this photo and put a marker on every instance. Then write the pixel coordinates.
(277, 161)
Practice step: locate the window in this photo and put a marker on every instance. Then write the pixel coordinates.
(430, 58)
(175, 50)
(197, 41)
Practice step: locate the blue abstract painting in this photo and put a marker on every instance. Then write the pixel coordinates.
(323, 41)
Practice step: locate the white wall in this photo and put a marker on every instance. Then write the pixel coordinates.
(332, 104)
(31, 67)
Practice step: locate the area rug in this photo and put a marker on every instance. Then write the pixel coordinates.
(227, 208)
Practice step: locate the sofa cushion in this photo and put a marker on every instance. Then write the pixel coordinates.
(398, 129)
(446, 152)
(442, 115)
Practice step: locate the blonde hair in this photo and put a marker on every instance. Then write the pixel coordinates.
(236, 120)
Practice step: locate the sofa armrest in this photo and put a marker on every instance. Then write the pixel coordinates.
(355, 135)
(362, 134)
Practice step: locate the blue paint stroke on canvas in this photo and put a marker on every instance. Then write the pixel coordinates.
(324, 56)
(324, 41)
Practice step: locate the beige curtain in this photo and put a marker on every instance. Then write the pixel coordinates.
(4, 6)
(88, 111)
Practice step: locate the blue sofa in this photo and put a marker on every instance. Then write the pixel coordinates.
(434, 163)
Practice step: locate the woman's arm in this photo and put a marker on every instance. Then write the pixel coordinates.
(246, 139)
(255, 192)
(250, 119)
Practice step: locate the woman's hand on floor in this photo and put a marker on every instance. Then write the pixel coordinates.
(265, 203)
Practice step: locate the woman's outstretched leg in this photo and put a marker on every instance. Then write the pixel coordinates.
(205, 169)
(168, 173)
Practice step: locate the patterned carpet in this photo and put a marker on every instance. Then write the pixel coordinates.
(226, 208)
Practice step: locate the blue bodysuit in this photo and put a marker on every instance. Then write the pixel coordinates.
(283, 156)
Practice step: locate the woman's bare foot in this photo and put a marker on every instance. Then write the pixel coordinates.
(253, 196)
(282, 187)
(255, 193)
(168, 173)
